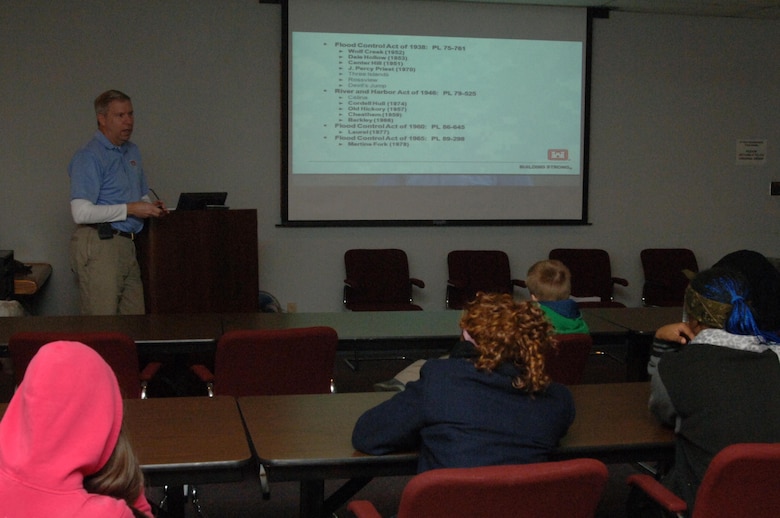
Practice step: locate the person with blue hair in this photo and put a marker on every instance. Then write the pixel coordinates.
(764, 281)
(714, 378)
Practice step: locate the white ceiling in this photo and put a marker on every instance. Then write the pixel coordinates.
(765, 9)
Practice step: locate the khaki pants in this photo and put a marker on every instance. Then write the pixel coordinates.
(108, 273)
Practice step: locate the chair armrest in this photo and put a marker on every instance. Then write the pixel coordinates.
(658, 493)
(150, 370)
(417, 282)
(146, 376)
(519, 283)
(205, 375)
(363, 509)
(619, 280)
(202, 372)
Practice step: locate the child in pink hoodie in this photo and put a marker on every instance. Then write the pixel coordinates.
(62, 426)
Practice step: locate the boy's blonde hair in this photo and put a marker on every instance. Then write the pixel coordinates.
(549, 280)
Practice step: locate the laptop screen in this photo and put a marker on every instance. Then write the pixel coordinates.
(201, 200)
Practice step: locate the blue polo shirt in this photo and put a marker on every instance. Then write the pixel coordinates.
(106, 174)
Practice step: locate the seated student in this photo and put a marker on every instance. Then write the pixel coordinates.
(549, 282)
(713, 378)
(62, 449)
(489, 403)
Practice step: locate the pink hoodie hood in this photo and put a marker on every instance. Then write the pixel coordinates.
(61, 425)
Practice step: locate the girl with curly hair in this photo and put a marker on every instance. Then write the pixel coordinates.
(490, 402)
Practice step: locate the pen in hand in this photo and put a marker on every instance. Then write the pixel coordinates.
(159, 203)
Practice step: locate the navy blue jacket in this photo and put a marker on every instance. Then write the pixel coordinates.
(459, 416)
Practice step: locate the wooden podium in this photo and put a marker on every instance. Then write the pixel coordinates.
(200, 261)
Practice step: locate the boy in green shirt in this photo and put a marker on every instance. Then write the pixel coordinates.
(549, 283)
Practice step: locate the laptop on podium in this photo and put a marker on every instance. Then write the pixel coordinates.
(201, 200)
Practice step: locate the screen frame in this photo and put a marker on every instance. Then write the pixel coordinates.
(591, 13)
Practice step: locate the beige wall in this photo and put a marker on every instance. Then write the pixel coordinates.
(671, 95)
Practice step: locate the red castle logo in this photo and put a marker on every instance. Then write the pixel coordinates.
(557, 154)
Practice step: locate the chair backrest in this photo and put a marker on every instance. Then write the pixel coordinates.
(378, 279)
(665, 281)
(117, 349)
(591, 274)
(471, 271)
(275, 361)
(566, 363)
(741, 480)
(565, 489)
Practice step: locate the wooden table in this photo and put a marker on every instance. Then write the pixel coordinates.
(308, 438)
(189, 440)
(357, 325)
(183, 441)
(380, 325)
(180, 441)
(26, 284)
(640, 325)
(153, 333)
(642, 321)
(614, 424)
(362, 332)
(357, 330)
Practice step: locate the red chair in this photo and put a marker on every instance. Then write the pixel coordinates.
(566, 363)
(378, 280)
(272, 361)
(565, 489)
(267, 362)
(741, 480)
(471, 271)
(665, 281)
(117, 349)
(591, 275)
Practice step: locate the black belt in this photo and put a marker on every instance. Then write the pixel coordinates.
(114, 232)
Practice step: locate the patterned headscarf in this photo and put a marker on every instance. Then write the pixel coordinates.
(709, 312)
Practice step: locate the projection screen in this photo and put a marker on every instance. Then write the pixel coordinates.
(419, 112)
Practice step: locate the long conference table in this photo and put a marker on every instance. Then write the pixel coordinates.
(361, 334)
(307, 438)
(195, 331)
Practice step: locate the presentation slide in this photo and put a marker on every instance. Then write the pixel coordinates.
(421, 105)
(437, 123)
